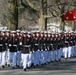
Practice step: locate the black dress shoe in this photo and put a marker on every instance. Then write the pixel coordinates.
(48, 62)
(3, 66)
(37, 65)
(13, 67)
(17, 66)
(24, 69)
(59, 60)
(28, 67)
(42, 64)
(56, 60)
(52, 61)
(8, 65)
(34, 66)
(65, 58)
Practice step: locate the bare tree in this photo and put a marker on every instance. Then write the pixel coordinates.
(57, 8)
(41, 11)
(12, 15)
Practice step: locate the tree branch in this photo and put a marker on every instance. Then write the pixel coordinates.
(26, 5)
(58, 4)
(29, 4)
(48, 16)
(23, 4)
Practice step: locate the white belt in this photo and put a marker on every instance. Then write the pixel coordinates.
(27, 45)
(1, 45)
(45, 49)
(44, 44)
(5, 43)
(30, 52)
(9, 44)
(20, 43)
(14, 45)
(36, 44)
(51, 44)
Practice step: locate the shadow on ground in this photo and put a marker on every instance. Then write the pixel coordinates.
(69, 64)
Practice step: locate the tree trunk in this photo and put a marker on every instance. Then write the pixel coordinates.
(62, 26)
(73, 26)
(43, 13)
(41, 23)
(13, 15)
(44, 7)
(45, 23)
(62, 16)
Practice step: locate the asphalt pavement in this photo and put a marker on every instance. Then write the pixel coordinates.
(63, 67)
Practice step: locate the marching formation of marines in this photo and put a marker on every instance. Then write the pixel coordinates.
(35, 48)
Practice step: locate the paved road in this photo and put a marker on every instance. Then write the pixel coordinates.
(64, 67)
